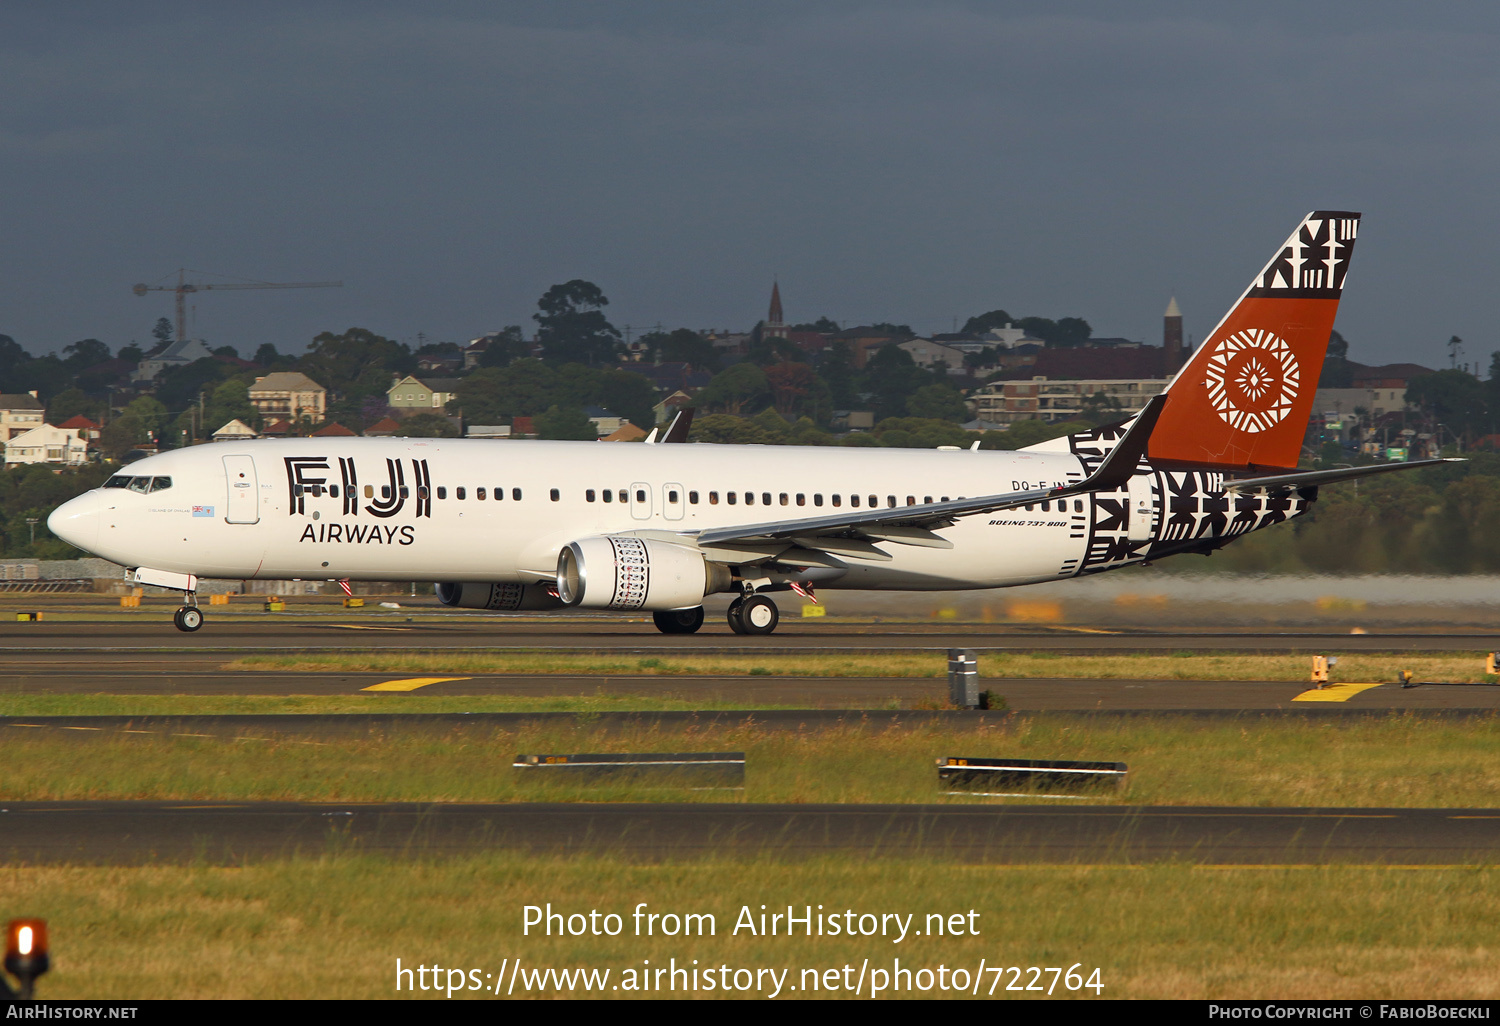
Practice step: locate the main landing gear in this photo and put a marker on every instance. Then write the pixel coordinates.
(679, 621)
(756, 614)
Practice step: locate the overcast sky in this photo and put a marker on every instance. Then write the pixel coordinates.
(912, 162)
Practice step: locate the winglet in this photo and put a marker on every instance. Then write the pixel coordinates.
(1121, 462)
(678, 430)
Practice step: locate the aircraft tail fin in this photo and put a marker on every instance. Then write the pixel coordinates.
(1244, 397)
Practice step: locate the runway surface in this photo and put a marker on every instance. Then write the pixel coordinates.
(200, 674)
(246, 632)
(139, 832)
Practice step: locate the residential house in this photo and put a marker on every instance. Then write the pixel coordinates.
(20, 413)
(175, 354)
(604, 422)
(87, 429)
(383, 428)
(47, 444)
(927, 354)
(235, 431)
(417, 395)
(334, 430)
(1002, 403)
(670, 406)
(290, 395)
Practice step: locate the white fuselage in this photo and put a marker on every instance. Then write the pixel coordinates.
(380, 534)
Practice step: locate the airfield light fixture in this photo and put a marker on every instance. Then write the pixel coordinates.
(26, 955)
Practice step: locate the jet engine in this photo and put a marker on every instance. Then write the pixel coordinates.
(497, 596)
(619, 572)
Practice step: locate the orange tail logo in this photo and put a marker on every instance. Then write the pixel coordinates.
(1244, 398)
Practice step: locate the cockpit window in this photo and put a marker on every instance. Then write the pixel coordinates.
(160, 484)
(118, 481)
(140, 484)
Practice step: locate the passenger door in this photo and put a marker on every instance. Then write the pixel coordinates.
(1142, 526)
(244, 490)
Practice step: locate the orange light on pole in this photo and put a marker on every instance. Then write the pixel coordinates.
(26, 955)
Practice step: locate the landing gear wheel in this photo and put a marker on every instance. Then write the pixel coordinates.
(188, 618)
(679, 621)
(733, 616)
(758, 615)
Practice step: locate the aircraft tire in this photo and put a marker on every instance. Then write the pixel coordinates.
(188, 618)
(679, 621)
(733, 616)
(759, 615)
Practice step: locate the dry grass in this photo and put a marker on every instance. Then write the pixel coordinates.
(1187, 665)
(334, 928)
(1399, 761)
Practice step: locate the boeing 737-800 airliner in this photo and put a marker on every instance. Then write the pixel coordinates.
(509, 525)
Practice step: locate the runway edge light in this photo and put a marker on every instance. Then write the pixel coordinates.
(26, 955)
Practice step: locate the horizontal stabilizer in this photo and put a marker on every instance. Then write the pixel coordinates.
(1302, 479)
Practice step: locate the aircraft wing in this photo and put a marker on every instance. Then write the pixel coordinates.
(853, 531)
(1301, 478)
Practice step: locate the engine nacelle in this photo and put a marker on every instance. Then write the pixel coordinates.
(508, 597)
(621, 572)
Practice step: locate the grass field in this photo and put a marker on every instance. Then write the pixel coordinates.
(1185, 665)
(334, 928)
(1398, 761)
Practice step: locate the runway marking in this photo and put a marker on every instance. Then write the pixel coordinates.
(1474, 817)
(83, 728)
(352, 627)
(1334, 693)
(410, 683)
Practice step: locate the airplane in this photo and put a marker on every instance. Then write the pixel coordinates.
(532, 525)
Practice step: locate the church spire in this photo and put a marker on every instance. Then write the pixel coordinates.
(774, 317)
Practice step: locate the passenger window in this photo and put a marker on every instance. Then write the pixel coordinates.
(944, 499)
(926, 498)
(784, 500)
(672, 496)
(1047, 506)
(1077, 505)
(874, 501)
(333, 491)
(555, 495)
(442, 492)
(713, 498)
(515, 493)
(499, 493)
(749, 498)
(609, 495)
(479, 493)
(692, 498)
(458, 493)
(140, 484)
(405, 494)
(370, 491)
(911, 500)
(588, 496)
(160, 484)
(422, 493)
(853, 501)
(118, 481)
(801, 499)
(837, 501)
(385, 491)
(640, 496)
(817, 498)
(729, 496)
(1027, 507)
(890, 500)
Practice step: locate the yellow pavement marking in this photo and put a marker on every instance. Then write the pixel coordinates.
(1334, 693)
(351, 627)
(410, 683)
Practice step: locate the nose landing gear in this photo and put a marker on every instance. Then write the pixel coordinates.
(188, 618)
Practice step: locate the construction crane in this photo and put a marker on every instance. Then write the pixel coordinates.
(184, 287)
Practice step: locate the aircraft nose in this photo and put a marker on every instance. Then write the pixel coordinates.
(77, 521)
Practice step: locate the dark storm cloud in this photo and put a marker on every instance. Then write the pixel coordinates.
(910, 162)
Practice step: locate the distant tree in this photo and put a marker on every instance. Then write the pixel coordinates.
(735, 390)
(179, 387)
(84, 353)
(266, 354)
(131, 353)
(891, 376)
(565, 422)
(46, 375)
(426, 425)
(682, 346)
(623, 392)
(571, 327)
(725, 429)
(822, 325)
(356, 364)
(229, 401)
(937, 402)
(11, 355)
(836, 367)
(1101, 407)
(229, 351)
(794, 388)
(71, 403)
(1338, 346)
(894, 330)
(1454, 398)
(1070, 331)
(162, 332)
(978, 325)
(505, 347)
